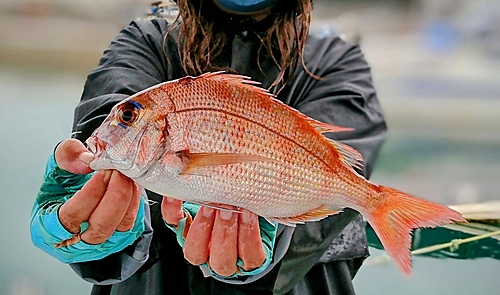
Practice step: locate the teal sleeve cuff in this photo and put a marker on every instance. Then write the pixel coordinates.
(46, 229)
(267, 233)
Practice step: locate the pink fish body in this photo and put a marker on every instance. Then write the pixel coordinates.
(217, 138)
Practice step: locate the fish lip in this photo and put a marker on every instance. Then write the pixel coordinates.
(96, 146)
(91, 144)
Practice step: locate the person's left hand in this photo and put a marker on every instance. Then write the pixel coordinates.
(219, 237)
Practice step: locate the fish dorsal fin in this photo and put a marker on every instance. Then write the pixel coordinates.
(312, 215)
(348, 155)
(246, 82)
(326, 128)
(319, 126)
(195, 161)
(236, 80)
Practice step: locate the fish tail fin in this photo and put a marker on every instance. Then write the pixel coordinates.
(398, 214)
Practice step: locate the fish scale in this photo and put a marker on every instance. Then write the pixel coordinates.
(218, 138)
(199, 138)
(248, 107)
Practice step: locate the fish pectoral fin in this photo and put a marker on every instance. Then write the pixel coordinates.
(195, 161)
(312, 215)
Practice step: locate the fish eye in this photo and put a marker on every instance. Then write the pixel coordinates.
(128, 114)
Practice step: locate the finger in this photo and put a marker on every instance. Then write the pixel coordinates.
(128, 220)
(79, 207)
(223, 248)
(196, 247)
(71, 155)
(171, 210)
(250, 248)
(111, 210)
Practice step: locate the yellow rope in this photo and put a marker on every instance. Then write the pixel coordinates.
(454, 244)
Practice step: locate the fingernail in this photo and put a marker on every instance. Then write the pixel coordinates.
(207, 212)
(169, 200)
(86, 158)
(225, 215)
(107, 176)
(247, 216)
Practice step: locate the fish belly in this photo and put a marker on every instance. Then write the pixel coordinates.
(269, 189)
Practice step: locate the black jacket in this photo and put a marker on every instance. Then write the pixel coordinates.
(316, 258)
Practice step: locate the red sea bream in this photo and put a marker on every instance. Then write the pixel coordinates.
(218, 138)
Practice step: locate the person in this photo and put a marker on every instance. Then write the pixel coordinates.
(126, 241)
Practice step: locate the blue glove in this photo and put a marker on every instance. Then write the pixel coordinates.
(267, 234)
(46, 230)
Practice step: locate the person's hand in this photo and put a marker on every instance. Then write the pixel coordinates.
(109, 201)
(219, 237)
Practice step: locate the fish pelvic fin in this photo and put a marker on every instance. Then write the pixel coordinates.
(217, 206)
(399, 213)
(195, 161)
(312, 215)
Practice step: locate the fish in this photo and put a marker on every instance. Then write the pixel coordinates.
(219, 138)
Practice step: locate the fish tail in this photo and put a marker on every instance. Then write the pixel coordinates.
(399, 213)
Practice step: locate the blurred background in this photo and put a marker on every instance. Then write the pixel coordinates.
(435, 64)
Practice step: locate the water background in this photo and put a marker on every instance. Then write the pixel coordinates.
(437, 81)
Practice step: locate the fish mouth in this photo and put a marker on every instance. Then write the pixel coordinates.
(91, 144)
(101, 161)
(96, 146)
(127, 165)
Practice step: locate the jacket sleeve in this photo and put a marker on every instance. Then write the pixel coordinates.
(46, 229)
(131, 63)
(343, 95)
(268, 237)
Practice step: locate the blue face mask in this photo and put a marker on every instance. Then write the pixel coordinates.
(244, 6)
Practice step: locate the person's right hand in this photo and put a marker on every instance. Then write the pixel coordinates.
(219, 237)
(109, 201)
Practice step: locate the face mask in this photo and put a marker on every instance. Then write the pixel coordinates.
(244, 6)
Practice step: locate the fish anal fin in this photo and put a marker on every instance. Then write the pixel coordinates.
(195, 161)
(312, 215)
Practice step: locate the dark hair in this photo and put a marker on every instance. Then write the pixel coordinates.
(204, 36)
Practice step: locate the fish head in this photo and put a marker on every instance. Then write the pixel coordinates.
(133, 137)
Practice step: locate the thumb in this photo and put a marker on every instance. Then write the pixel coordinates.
(72, 156)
